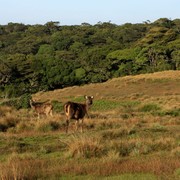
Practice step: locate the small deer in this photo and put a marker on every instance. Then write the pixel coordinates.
(77, 111)
(41, 108)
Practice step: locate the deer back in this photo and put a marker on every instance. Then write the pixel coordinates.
(41, 108)
(77, 110)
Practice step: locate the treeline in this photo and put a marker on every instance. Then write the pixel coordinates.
(46, 57)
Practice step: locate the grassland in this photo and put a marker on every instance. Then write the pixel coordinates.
(133, 133)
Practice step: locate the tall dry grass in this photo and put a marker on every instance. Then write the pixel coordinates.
(18, 168)
(83, 146)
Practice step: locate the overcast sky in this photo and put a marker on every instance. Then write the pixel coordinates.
(75, 12)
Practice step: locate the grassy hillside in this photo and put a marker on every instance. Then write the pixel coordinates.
(144, 88)
(132, 133)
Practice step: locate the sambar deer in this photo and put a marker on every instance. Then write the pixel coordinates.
(77, 111)
(41, 108)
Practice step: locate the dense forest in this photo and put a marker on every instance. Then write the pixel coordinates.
(50, 56)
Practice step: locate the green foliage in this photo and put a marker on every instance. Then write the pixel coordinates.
(45, 57)
(18, 103)
(24, 101)
(80, 73)
(125, 54)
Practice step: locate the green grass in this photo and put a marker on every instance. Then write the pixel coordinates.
(136, 176)
(57, 106)
(107, 105)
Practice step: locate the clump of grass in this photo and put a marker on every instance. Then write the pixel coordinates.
(8, 123)
(151, 107)
(173, 112)
(125, 149)
(18, 167)
(176, 152)
(137, 147)
(4, 110)
(48, 125)
(177, 173)
(103, 124)
(163, 144)
(126, 116)
(115, 133)
(84, 146)
(23, 126)
(111, 156)
(156, 127)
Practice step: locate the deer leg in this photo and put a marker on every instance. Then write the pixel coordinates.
(67, 125)
(82, 122)
(77, 125)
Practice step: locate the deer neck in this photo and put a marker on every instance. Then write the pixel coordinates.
(87, 106)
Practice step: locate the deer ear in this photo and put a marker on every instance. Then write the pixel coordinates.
(85, 97)
(92, 97)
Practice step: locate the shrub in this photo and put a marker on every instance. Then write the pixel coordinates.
(13, 103)
(24, 101)
(18, 103)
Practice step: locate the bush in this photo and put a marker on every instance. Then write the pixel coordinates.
(24, 101)
(18, 103)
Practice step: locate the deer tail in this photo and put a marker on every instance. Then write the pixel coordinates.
(68, 110)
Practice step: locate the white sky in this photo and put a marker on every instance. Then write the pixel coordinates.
(75, 12)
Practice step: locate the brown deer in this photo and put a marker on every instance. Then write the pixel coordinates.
(41, 108)
(77, 111)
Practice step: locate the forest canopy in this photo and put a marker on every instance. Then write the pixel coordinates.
(45, 57)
